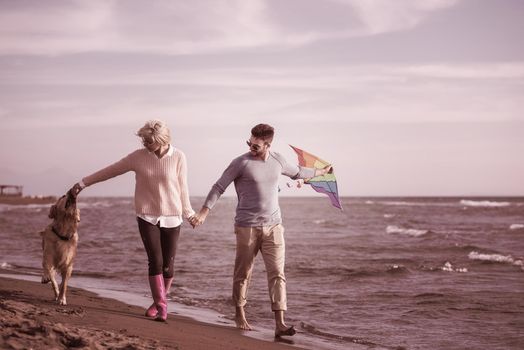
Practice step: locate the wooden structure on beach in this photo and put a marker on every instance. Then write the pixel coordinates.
(13, 195)
(11, 191)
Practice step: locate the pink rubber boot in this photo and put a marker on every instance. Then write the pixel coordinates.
(159, 296)
(152, 310)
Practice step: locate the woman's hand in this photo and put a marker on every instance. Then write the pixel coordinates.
(75, 190)
(199, 218)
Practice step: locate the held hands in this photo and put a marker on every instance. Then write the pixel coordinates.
(199, 218)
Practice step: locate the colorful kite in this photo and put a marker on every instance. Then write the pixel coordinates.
(326, 184)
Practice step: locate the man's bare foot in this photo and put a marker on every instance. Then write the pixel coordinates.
(240, 319)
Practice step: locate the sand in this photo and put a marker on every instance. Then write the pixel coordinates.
(30, 319)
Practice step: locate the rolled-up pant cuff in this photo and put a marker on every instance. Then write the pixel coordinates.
(278, 307)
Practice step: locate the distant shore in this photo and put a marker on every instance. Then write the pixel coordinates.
(14, 200)
(30, 319)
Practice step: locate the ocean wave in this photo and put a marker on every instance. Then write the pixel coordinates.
(467, 247)
(516, 226)
(97, 275)
(396, 269)
(24, 269)
(33, 207)
(98, 204)
(485, 204)
(328, 223)
(345, 272)
(447, 203)
(430, 295)
(400, 203)
(313, 330)
(448, 267)
(391, 229)
(417, 203)
(6, 265)
(389, 216)
(496, 258)
(429, 298)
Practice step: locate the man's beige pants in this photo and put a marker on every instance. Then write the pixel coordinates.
(270, 241)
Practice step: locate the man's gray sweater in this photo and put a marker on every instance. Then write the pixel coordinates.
(256, 184)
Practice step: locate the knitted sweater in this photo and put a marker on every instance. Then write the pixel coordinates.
(161, 183)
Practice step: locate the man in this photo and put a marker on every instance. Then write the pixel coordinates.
(258, 224)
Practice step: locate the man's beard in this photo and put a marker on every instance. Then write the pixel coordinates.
(256, 153)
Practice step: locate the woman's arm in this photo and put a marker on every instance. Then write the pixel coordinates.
(122, 166)
(187, 209)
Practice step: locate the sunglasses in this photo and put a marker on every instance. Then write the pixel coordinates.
(148, 143)
(254, 146)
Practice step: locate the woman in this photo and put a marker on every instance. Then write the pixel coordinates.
(161, 203)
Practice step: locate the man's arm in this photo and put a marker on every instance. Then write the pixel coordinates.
(199, 218)
(230, 174)
(300, 172)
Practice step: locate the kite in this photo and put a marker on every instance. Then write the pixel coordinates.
(326, 184)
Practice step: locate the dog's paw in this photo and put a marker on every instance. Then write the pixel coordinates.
(45, 279)
(62, 301)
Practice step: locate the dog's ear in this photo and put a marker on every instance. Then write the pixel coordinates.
(52, 212)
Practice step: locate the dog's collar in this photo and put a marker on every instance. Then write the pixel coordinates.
(63, 238)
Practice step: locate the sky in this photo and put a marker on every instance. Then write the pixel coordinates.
(404, 98)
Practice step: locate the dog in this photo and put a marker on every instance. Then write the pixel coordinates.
(59, 243)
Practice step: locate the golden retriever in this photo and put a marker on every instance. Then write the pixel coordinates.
(59, 241)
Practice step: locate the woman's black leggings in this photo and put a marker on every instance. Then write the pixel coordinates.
(160, 244)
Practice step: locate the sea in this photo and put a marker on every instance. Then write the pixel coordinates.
(383, 273)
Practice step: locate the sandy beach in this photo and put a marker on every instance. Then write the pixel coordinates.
(30, 319)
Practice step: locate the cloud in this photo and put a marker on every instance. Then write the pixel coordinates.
(169, 27)
(500, 70)
(382, 16)
(204, 26)
(380, 93)
(54, 27)
(154, 71)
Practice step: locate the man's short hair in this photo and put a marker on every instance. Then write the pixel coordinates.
(264, 132)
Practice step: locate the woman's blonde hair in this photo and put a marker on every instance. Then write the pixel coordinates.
(157, 130)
